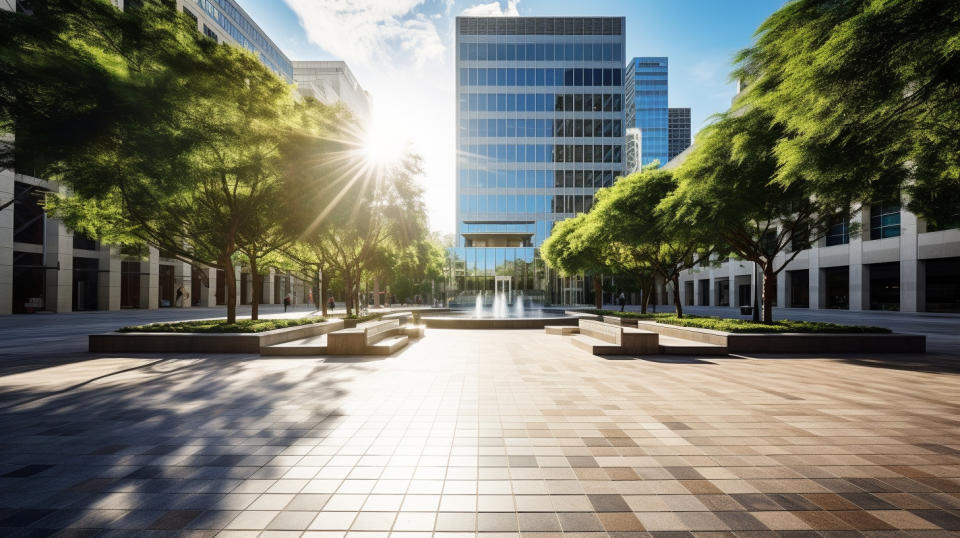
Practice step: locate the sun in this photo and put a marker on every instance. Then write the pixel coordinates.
(384, 143)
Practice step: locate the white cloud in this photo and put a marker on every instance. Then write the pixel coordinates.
(493, 9)
(362, 31)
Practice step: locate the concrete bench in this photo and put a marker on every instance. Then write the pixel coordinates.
(407, 326)
(403, 317)
(373, 338)
(604, 339)
(561, 329)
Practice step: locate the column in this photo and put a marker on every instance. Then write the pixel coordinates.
(782, 289)
(813, 279)
(909, 273)
(859, 279)
(733, 298)
(59, 261)
(208, 293)
(150, 280)
(237, 271)
(268, 281)
(712, 283)
(108, 281)
(6, 242)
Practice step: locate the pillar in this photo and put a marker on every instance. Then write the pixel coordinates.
(268, 281)
(816, 296)
(6, 242)
(108, 281)
(237, 271)
(859, 279)
(59, 261)
(208, 294)
(150, 280)
(910, 285)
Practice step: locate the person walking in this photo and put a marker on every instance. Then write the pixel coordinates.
(331, 303)
(623, 301)
(286, 302)
(180, 295)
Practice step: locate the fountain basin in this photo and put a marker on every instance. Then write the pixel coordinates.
(467, 319)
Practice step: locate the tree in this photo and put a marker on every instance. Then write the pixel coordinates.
(640, 235)
(186, 167)
(572, 249)
(867, 91)
(727, 190)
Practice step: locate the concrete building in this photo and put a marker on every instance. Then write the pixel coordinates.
(678, 131)
(44, 266)
(633, 149)
(540, 127)
(330, 82)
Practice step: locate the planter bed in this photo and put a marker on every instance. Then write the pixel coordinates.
(794, 342)
(181, 342)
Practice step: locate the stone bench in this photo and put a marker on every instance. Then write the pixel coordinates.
(604, 339)
(406, 324)
(561, 329)
(373, 338)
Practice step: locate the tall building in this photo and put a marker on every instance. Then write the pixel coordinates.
(633, 149)
(678, 131)
(540, 127)
(330, 82)
(45, 266)
(646, 96)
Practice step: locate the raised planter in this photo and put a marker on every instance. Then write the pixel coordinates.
(622, 322)
(795, 342)
(117, 342)
(494, 323)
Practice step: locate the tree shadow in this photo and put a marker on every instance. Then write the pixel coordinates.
(171, 435)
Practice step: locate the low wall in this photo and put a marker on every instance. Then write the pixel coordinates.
(795, 342)
(494, 323)
(623, 322)
(117, 342)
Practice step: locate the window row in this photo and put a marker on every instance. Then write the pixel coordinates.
(539, 77)
(525, 203)
(541, 102)
(541, 52)
(542, 128)
(536, 179)
(544, 153)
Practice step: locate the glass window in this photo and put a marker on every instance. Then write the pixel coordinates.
(838, 233)
(884, 220)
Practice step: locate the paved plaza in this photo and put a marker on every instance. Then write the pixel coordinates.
(496, 432)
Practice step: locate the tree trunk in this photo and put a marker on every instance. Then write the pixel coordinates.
(257, 289)
(230, 288)
(347, 290)
(676, 296)
(598, 291)
(769, 281)
(646, 291)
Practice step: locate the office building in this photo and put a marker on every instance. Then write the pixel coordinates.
(646, 96)
(330, 82)
(44, 266)
(678, 131)
(540, 127)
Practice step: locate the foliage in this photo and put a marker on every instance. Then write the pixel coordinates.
(221, 326)
(572, 248)
(364, 318)
(727, 189)
(779, 326)
(867, 91)
(631, 315)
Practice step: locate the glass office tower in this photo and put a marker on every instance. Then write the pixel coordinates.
(540, 127)
(678, 127)
(646, 95)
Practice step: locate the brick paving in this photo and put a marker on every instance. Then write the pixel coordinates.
(493, 432)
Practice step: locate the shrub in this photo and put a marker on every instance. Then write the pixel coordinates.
(780, 326)
(361, 319)
(630, 315)
(220, 326)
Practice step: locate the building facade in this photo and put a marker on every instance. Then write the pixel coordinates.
(678, 131)
(540, 127)
(646, 96)
(44, 266)
(331, 82)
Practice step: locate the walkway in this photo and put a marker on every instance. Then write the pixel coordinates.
(481, 431)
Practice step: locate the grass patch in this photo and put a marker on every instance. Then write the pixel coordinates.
(631, 315)
(221, 326)
(362, 319)
(779, 326)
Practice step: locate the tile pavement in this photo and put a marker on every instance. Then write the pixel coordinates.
(493, 432)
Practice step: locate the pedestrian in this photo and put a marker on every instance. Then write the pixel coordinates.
(623, 301)
(180, 294)
(331, 303)
(310, 298)
(293, 302)
(286, 302)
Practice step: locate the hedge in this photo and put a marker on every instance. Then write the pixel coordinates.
(221, 326)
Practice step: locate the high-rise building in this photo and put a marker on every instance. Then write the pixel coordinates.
(633, 149)
(330, 82)
(678, 131)
(540, 127)
(646, 95)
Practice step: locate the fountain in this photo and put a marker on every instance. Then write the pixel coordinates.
(478, 309)
(500, 313)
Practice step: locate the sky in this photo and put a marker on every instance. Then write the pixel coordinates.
(402, 52)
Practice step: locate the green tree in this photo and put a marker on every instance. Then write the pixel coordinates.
(627, 218)
(867, 91)
(572, 249)
(727, 191)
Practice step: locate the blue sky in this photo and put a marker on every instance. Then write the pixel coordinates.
(401, 51)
